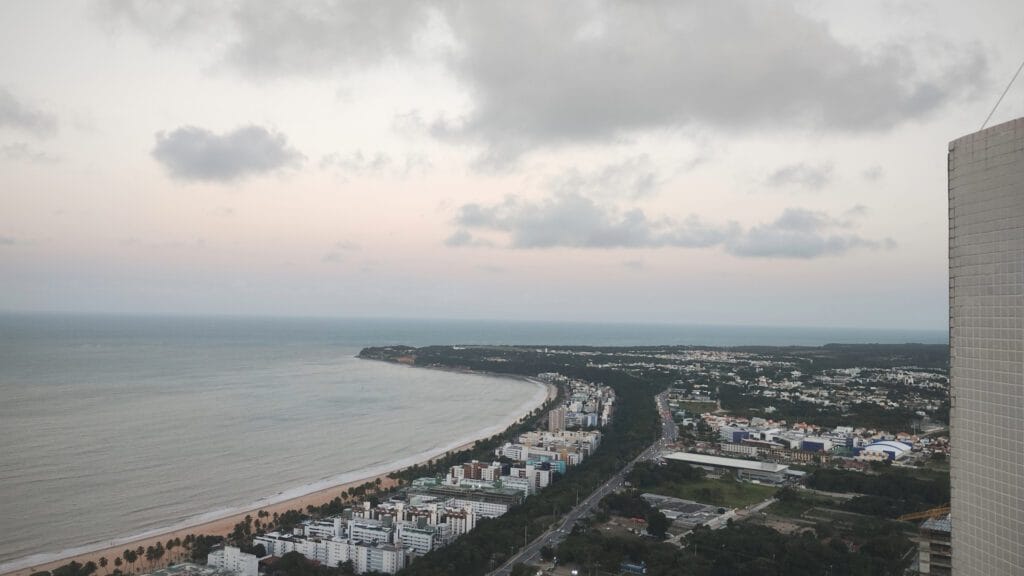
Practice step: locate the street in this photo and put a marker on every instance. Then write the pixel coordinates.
(553, 536)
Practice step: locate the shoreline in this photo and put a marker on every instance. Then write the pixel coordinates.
(222, 522)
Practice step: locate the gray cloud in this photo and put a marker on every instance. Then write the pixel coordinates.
(803, 175)
(463, 237)
(20, 116)
(23, 152)
(873, 173)
(544, 73)
(802, 234)
(587, 72)
(7, 241)
(338, 251)
(574, 221)
(333, 257)
(358, 163)
(631, 178)
(285, 38)
(166, 23)
(191, 153)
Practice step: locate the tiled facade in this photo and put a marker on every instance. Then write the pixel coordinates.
(986, 331)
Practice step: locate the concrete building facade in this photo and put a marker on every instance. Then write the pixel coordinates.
(232, 559)
(986, 333)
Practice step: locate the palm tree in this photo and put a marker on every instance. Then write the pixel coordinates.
(103, 563)
(117, 563)
(130, 556)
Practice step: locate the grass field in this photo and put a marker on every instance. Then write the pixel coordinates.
(725, 492)
(802, 503)
(697, 408)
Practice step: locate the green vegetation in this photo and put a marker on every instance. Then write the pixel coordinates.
(680, 480)
(633, 506)
(738, 403)
(725, 492)
(889, 494)
(295, 564)
(742, 550)
(695, 409)
(793, 503)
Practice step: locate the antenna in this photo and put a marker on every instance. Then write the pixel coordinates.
(1001, 96)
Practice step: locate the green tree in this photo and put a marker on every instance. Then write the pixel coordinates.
(657, 524)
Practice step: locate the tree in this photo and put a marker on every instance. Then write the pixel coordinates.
(547, 553)
(103, 563)
(657, 524)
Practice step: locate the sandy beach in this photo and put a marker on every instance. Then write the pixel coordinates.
(224, 525)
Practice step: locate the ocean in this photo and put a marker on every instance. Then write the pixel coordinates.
(117, 426)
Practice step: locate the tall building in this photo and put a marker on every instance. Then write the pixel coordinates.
(556, 420)
(986, 338)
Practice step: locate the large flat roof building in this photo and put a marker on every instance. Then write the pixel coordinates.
(744, 469)
(986, 341)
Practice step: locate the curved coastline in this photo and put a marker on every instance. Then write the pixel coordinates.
(222, 521)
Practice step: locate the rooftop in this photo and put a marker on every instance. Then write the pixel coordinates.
(706, 460)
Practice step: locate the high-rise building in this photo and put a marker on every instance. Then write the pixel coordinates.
(986, 337)
(556, 420)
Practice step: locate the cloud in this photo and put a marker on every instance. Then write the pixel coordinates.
(285, 39)
(544, 74)
(808, 176)
(23, 152)
(7, 241)
(631, 178)
(873, 173)
(20, 116)
(167, 23)
(338, 250)
(197, 154)
(463, 237)
(802, 234)
(574, 221)
(547, 74)
(358, 163)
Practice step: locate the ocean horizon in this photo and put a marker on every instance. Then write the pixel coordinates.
(383, 331)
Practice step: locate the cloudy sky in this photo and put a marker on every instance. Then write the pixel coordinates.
(735, 162)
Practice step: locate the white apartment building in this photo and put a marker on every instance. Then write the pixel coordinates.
(234, 560)
(371, 531)
(481, 509)
(420, 537)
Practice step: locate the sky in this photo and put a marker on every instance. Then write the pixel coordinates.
(733, 162)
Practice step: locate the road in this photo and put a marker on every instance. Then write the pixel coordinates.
(553, 536)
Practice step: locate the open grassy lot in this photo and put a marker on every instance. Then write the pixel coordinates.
(697, 408)
(724, 492)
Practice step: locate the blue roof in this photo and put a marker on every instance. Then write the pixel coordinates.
(891, 444)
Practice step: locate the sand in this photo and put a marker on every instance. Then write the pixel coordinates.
(224, 526)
